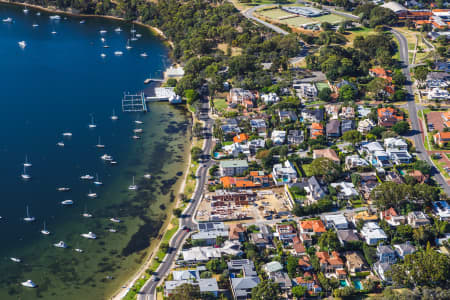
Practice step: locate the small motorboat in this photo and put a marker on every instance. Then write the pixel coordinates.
(22, 44)
(63, 189)
(136, 137)
(15, 259)
(87, 177)
(78, 250)
(118, 29)
(138, 35)
(87, 215)
(115, 220)
(103, 31)
(113, 162)
(105, 46)
(67, 202)
(112, 230)
(53, 32)
(103, 55)
(144, 54)
(82, 21)
(60, 244)
(138, 122)
(35, 25)
(25, 10)
(118, 53)
(29, 284)
(102, 39)
(67, 134)
(60, 144)
(8, 20)
(148, 176)
(89, 235)
(38, 14)
(55, 17)
(92, 195)
(97, 181)
(138, 130)
(106, 157)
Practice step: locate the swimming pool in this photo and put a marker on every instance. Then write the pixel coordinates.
(357, 284)
(343, 283)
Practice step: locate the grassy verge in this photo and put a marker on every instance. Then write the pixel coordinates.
(440, 166)
(220, 104)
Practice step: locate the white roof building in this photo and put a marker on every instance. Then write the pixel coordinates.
(278, 137)
(270, 98)
(284, 173)
(338, 221)
(345, 190)
(395, 144)
(372, 147)
(206, 253)
(354, 161)
(438, 94)
(372, 233)
(395, 7)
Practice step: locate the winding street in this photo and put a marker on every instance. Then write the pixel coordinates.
(148, 291)
(416, 132)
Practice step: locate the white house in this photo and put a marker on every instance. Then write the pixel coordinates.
(365, 126)
(372, 147)
(438, 94)
(314, 190)
(395, 143)
(372, 233)
(233, 167)
(306, 90)
(335, 221)
(354, 161)
(345, 190)
(404, 249)
(284, 173)
(278, 137)
(270, 98)
(442, 210)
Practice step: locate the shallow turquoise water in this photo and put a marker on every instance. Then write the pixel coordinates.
(54, 85)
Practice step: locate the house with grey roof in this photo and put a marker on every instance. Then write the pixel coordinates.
(386, 254)
(233, 167)
(245, 265)
(347, 235)
(314, 190)
(242, 287)
(295, 137)
(272, 267)
(312, 115)
(287, 116)
(282, 279)
(333, 129)
(347, 125)
(206, 285)
(381, 269)
(404, 249)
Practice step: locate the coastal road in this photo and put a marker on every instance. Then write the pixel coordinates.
(416, 134)
(148, 291)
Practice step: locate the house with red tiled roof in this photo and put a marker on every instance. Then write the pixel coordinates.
(419, 176)
(240, 138)
(298, 247)
(310, 282)
(329, 263)
(236, 232)
(286, 232)
(391, 217)
(446, 118)
(312, 227)
(388, 116)
(441, 138)
(304, 263)
(316, 130)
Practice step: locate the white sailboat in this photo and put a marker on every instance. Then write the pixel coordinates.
(82, 21)
(25, 175)
(85, 214)
(118, 53)
(103, 55)
(99, 144)
(67, 134)
(106, 157)
(114, 117)
(60, 144)
(97, 181)
(7, 20)
(15, 259)
(103, 31)
(78, 250)
(27, 163)
(143, 54)
(35, 25)
(67, 202)
(115, 220)
(92, 124)
(132, 29)
(22, 44)
(139, 122)
(138, 35)
(63, 189)
(136, 137)
(45, 231)
(28, 218)
(148, 176)
(118, 29)
(128, 47)
(87, 177)
(133, 187)
(25, 10)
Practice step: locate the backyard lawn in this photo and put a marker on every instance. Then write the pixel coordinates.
(220, 104)
(331, 18)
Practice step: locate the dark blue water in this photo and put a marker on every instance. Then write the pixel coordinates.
(52, 86)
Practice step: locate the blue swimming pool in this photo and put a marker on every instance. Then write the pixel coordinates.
(343, 283)
(358, 285)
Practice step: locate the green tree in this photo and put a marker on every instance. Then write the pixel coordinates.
(401, 127)
(326, 168)
(352, 136)
(196, 153)
(298, 291)
(325, 94)
(291, 266)
(422, 268)
(191, 96)
(185, 291)
(421, 73)
(329, 241)
(266, 289)
(347, 93)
